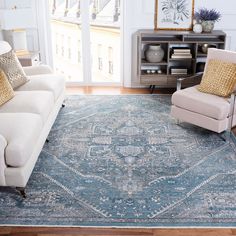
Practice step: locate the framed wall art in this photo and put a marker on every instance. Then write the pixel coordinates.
(174, 14)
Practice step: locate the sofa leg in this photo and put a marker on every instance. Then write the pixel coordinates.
(21, 191)
(63, 105)
(47, 140)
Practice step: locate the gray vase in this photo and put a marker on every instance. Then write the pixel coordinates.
(154, 53)
(208, 26)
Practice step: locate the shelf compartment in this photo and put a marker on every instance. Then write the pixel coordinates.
(184, 46)
(188, 64)
(161, 38)
(144, 48)
(200, 54)
(204, 39)
(200, 66)
(154, 70)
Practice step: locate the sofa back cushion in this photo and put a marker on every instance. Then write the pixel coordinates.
(6, 91)
(11, 66)
(4, 47)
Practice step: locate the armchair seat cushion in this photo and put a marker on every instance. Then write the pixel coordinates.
(21, 131)
(47, 82)
(192, 99)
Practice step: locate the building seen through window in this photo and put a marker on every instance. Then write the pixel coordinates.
(104, 36)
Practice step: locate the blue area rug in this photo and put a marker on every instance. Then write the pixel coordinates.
(122, 161)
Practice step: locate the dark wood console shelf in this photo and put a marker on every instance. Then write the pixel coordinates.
(163, 74)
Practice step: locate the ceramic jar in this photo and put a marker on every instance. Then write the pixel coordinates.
(208, 26)
(154, 53)
(197, 28)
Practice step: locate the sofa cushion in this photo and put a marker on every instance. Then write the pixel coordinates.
(206, 104)
(21, 130)
(48, 82)
(38, 102)
(6, 91)
(11, 66)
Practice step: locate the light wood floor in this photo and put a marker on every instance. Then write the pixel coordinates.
(114, 90)
(44, 231)
(111, 232)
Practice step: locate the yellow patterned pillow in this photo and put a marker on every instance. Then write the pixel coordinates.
(6, 91)
(219, 78)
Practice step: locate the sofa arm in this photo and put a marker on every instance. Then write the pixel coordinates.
(3, 144)
(37, 70)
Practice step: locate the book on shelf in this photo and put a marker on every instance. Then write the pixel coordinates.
(179, 70)
(181, 50)
(179, 73)
(181, 56)
(181, 53)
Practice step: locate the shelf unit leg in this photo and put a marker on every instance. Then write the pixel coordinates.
(152, 88)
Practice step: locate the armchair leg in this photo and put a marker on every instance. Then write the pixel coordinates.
(178, 122)
(225, 136)
(21, 191)
(228, 135)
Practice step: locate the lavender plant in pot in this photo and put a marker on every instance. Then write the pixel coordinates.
(207, 18)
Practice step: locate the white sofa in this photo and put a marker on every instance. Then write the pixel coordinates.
(25, 122)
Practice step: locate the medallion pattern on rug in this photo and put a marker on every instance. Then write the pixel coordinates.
(122, 161)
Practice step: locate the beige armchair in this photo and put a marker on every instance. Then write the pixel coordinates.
(205, 110)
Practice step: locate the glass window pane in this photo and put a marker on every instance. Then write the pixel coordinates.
(105, 40)
(66, 38)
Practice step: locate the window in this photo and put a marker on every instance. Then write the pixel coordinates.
(79, 52)
(100, 57)
(69, 48)
(57, 46)
(88, 51)
(110, 60)
(62, 46)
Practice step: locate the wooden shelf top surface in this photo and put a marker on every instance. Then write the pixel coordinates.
(180, 32)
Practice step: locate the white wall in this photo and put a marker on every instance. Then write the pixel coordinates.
(32, 34)
(38, 39)
(138, 14)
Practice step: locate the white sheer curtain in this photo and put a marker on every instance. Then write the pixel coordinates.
(41, 8)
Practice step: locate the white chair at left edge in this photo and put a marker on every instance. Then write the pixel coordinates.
(14, 23)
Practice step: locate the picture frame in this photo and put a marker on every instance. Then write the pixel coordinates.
(169, 17)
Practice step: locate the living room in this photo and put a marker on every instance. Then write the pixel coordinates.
(117, 117)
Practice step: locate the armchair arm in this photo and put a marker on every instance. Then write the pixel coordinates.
(3, 144)
(37, 70)
(180, 80)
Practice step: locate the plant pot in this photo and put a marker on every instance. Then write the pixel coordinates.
(154, 53)
(208, 26)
